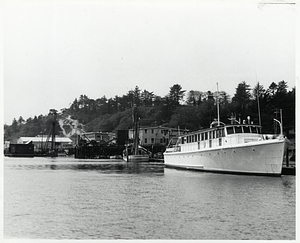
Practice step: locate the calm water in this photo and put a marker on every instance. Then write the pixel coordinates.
(64, 198)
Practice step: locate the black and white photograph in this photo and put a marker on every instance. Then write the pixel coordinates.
(150, 120)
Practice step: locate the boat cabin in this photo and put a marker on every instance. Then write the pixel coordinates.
(216, 137)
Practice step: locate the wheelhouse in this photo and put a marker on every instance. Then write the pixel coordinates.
(233, 129)
(219, 132)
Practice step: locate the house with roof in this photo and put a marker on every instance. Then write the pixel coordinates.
(156, 138)
(40, 142)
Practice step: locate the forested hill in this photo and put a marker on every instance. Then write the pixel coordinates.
(179, 108)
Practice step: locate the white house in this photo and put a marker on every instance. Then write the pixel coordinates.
(157, 135)
(40, 141)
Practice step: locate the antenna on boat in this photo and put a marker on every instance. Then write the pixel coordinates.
(257, 93)
(218, 109)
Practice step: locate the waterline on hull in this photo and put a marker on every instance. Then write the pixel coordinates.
(201, 169)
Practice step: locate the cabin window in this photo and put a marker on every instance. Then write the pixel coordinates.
(202, 136)
(145, 140)
(206, 135)
(230, 130)
(152, 131)
(182, 140)
(145, 131)
(199, 137)
(222, 133)
(195, 137)
(238, 129)
(220, 141)
(214, 134)
(161, 140)
(246, 129)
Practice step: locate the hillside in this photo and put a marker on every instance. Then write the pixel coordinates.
(191, 110)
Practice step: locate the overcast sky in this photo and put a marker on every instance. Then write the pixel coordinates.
(54, 51)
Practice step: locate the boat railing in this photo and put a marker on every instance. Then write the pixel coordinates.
(174, 148)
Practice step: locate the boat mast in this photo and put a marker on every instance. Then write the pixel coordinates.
(54, 113)
(218, 109)
(136, 135)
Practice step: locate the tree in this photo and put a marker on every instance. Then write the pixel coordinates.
(21, 120)
(242, 97)
(14, 126)
(258, 90)
(147, 98)
(272, 89)
(137, 96)
(223, 98)
(282, 87)
(194, 97)
(175, 94)
(74, 106)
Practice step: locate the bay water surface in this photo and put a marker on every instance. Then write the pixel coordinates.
(67, 198)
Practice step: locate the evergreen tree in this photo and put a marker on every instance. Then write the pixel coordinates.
(175, 94)
(241, 98)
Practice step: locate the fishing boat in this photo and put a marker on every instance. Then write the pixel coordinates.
(233, 148)
(134, 152)
(129, 154)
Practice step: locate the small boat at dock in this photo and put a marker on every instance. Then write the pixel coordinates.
(134, 152)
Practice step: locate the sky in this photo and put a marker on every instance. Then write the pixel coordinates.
(54, 51)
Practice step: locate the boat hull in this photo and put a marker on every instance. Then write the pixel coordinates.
(264, 158)
(137, 158)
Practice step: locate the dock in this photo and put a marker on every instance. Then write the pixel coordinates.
(288, 170)
(289, 164)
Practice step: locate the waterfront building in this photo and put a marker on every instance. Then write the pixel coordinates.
(100, 137)
(40, 142)
(157, 135)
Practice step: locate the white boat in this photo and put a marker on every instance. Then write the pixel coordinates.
(142, 154)
(233, 148)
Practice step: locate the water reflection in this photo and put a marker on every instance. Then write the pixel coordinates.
(286, 182)
(102, 167)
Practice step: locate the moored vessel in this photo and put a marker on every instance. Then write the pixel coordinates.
(134, 152)
(233, 148)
